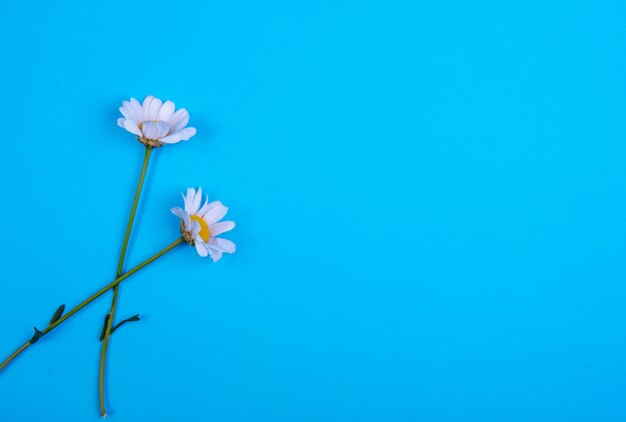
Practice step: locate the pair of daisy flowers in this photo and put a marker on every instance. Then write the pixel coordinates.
(157, 123)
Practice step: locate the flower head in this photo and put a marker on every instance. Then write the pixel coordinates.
(154, 122)
(200, 226)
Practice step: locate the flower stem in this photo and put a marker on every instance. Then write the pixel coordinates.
(14, 355)
(133, 210)
(120, 265)
(93, 297)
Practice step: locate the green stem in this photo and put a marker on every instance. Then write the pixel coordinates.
(120, 266)
(14, 355)
(133, 210)
(93, 297)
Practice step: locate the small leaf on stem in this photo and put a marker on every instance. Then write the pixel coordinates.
(38, 334)
(104, 327)
(131, 319)
(57, 314)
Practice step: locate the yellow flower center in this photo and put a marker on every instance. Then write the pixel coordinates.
(204, 227)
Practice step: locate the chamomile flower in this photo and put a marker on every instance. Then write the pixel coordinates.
(154, 122)
(200, 226)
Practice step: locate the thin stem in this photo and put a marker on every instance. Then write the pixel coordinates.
(93, 297)
(133, 210)
(14, 355)
(120, 266)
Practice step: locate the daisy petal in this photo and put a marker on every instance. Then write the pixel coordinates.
(129, 111)
(224, 245)
(208, 207)
(191, 193)
(186, 133)
(215, 214)
(179, 212)
(171, 139)
(195, 203)
(202, 249)
(136, 109)
(163, 128)
(178, 120)
(195, 229)
(183, 215)
(166, 111)
(152, 130)
(206, 201)
(125, 112)
(132, 127)
(221, 227)
(153, 110)
(146, 106)
(215, 254)
(120, 122)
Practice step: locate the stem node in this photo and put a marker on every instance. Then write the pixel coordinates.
(38, 334)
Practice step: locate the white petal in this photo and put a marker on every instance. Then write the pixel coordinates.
(208, 207)
(183, 215)
(153, 110)
(191, 193)
(206, 201)
(120, 122)
(224, 245)
(215, 214)
(125, 112)
(163, 128)
(215, 254)
(171, 139)
(146, 106)
(135, 107)
(196, 237)
(179, 212)
(195, 203)
(166, 111)
(186, 133)
(129, 111)
(152, 130)
(202, 249)
(178, 120)
(132, 127)
(195, 228)
(221, 227)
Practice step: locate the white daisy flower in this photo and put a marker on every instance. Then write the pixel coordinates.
(154, 122)
(200, 226)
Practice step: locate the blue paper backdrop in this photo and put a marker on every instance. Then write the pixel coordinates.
(429, 196)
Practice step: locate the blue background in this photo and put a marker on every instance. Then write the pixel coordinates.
(430, 199)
